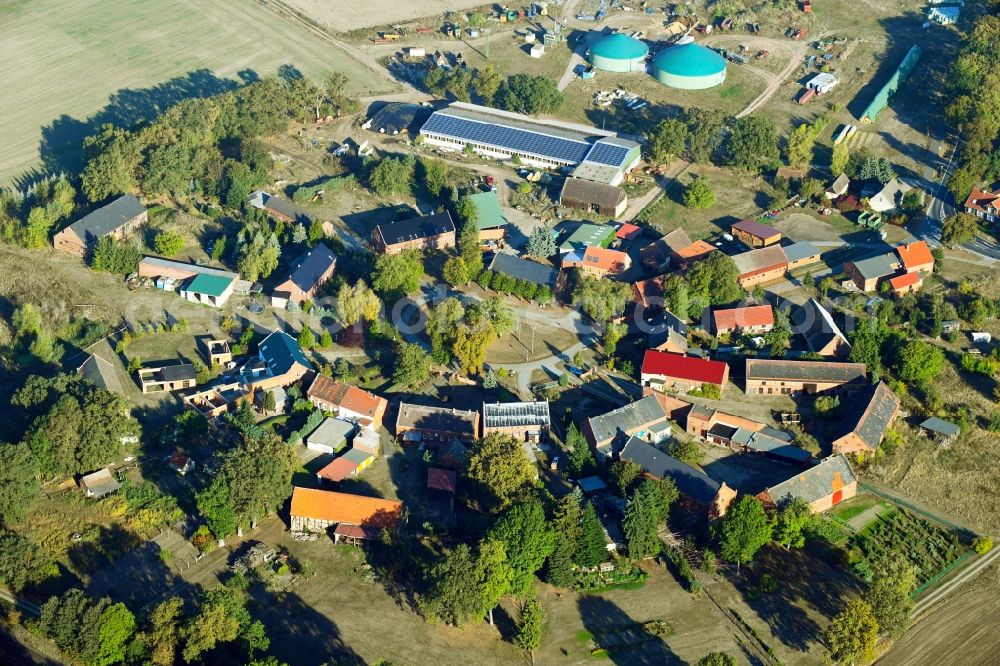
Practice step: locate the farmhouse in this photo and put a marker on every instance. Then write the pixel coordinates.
(753, 234)
(524, 269)
(696, 488)
(525, 421)
(686, 256)
(889, 197)
(117, 219)
(645, 418)
(821, 334)
(278, 208)
(416, 423)
(330, 436)
(906, 283)
(347, 402)
(649, 293)
(752, 319)
(781, 377)
(801, 254)
(868, 423)
(589, 235)
(280, 361)
(661, 370)
(598, 155)
(657, 255)
(667, 333)
(824, 486)
(867, 273)
(175, 377)
(435, 231)
(318, 510)
(587, 195)
(309, 272)
(701, 421)
(490, 220)
(598, 261)
(984, 205)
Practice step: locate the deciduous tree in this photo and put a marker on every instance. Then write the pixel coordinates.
(528, 540)
(743, 530)
(500, 469)
(793, 519)
(852, 635)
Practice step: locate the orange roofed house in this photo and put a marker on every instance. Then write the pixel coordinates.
(753, 319)
(824, 486)
(597, 261)
(347, 402)
(916, 257)
(354, 517)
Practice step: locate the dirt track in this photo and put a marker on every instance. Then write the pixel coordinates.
(794, 51)
(959, 630)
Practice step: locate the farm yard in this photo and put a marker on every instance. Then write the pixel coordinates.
(69, 66)
(341, 15)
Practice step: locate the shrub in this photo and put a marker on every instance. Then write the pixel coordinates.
(982, 545)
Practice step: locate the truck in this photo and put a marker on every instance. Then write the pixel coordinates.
(805, 97)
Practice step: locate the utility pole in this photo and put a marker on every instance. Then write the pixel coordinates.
(488, 33)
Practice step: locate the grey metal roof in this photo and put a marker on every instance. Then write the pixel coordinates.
(310, 267)
(416, 228)
(759, 259)
(642, 412)
(106, 219)
(940, 426)
(816, 482)
(800, 250)
(877, 266)
(101, 373)
(689, 481)
(523, 269)
(764, 443)
(514, 414)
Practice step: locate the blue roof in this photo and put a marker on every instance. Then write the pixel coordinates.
(689, 60)
(280, 350)
(619, 47)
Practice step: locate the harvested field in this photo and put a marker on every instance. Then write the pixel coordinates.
(343, 15)
(70, 66)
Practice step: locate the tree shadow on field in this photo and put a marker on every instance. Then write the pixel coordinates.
(300, 634)
(614, 630)
(61, 146)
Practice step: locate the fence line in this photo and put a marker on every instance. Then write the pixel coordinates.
(939, 575)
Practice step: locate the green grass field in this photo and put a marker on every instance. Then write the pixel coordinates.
(65, 62)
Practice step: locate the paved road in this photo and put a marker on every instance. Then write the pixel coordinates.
(942, 206)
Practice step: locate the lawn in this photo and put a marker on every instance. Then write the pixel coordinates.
(854, 507)
(73, 65)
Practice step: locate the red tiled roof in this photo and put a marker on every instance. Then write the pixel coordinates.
(344, 395)
(345, 508)
(647, 289)
(979, 200)
(905, 280)
(628, 231)
(441, 479)
(915, 254)
(179, 460)
(688, 368)
(756, 229)
(748, 317)
(601, 258)
(338, 470)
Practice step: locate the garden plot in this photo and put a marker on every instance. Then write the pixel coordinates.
(929, 547)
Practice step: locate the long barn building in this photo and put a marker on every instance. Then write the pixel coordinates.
(596, 155)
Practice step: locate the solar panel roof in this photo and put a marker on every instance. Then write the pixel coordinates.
(514, 139)
(607, 153)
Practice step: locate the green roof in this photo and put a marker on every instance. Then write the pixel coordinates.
(587, 235)
(689, 60)
(210, 285)
(619, 47)
(488, 212)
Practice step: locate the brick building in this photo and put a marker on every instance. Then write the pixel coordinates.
(662, 370)
(869, 420)
(824, 486)
(785, 377)
(430, 232)
(525, 421)
(117, 219)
